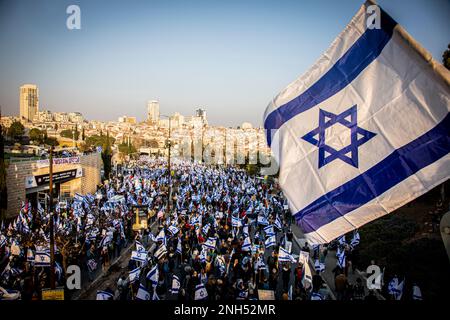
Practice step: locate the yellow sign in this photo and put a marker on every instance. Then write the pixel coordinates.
(49, 294)
(266, 295)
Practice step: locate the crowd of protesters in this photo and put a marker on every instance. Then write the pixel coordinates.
(223, 235)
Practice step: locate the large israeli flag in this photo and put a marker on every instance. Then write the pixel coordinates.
(364, 131)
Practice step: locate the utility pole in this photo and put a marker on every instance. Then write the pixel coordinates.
(170, 173)
(73, 137)
(52, 235)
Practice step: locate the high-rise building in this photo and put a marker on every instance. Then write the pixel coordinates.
(153, 111)
(29, 102)
(201, 113)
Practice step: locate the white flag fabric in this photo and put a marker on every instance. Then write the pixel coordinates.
(363, 132)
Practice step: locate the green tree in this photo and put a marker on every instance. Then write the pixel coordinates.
(68, 133)
(106, 156)
(3, 189)
(51, 141)
(37, 135)
(446, 57)
(127, 149)
(96, 141)
(16, 130)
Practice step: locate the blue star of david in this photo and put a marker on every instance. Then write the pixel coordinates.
(358, 136)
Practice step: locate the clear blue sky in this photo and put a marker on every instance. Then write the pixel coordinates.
(230, 57)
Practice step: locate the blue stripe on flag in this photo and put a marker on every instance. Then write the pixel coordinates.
(366, 49)
(396, 167)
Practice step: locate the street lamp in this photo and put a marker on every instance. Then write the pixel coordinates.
(168, 145)
(73, 136)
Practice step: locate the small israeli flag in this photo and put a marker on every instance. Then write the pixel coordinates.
(203, 255)
(278, 223)
(242, 295)
(104, 295)
(179, 249)
(319, 266)
(262, 220)
(205, 229)
(162, 250)
(2, 240)
(139, 256)
(341, 259)
(235, 222)
(246, 246)
(270, 242)
(173, 230)
(316, 296)
(355, 240)
(200, 292)
(42, 259)
(161, 236)
(269, 231)
(364, 131)
(259, 264)
(134, 274)
(140, 247)
(285, 256)
(176, 284)
(210, 243)
(245, 230)
(142, 293)
(153, 275)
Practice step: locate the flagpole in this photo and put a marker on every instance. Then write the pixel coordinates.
(52, 236)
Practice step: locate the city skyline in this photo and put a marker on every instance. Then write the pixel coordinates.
(124, 56)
